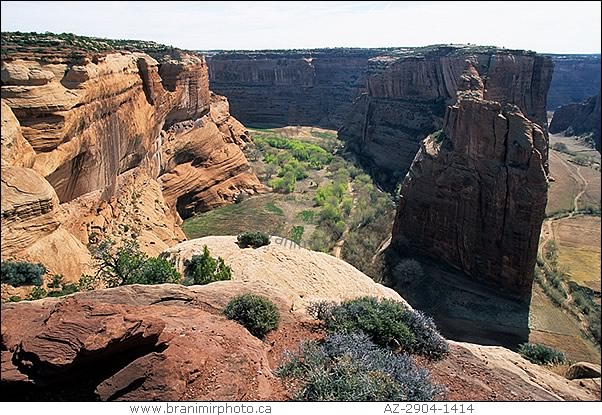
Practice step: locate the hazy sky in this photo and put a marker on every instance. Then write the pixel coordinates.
(554, 27)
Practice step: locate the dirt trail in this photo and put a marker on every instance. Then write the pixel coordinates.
(548, 228)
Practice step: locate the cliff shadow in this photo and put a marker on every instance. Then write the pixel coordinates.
(464, 309)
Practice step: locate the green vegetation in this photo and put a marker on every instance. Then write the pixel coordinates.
(541, 354)
(315, 156)
(296, 234)
(253, 239)
(386, 322)
(126, 264)
(408, 271)
(260, 211)
(350, 367)
(204, 269)
(257, 314)
(47, 43)
(18, 273)
(441, 139)
(589, 209)
(306, 216)
(576, 299)
(37, 293)
(271, 207)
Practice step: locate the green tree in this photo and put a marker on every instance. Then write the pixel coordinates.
(18, 273)
(203, 269)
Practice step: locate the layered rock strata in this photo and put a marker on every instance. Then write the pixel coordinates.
(476, 193)
(407, 95)
(581, 119)
(312, 87)
(113, 140)
(575, 79)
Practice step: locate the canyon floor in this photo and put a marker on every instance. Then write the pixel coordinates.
(469, 311)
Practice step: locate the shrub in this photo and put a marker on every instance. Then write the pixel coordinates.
(57, 281)
(155, 271)
(204, 269)
(257, 314)
(119, 265)
(37, 293)
(386, 322)
(350, 367)
(297, 233)
(128, 265)
(408, 271)
(21, 273)
(541, 354)
(560, 147)
(253, 239)
(306, 216)
(66, 289)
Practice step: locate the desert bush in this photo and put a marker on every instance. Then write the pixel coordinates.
(296, 233)
(253, 239)
(155, 271)
(126, 264)
(306, 216)
(350, 367)
(560, 147)
(119, 264)
(65, 289)
(408, 271)
(204, 269)
(37, 293)
(18, 273)
(386, 322)
(541, 354)
(257, 314)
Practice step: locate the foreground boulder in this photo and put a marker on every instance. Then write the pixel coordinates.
(583, 370)
(170, 342)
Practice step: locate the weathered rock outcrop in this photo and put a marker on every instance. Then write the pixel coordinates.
(31, 225)
(582, 119)
(170, 342)
(476, 193)
(312, 87)
(108, 135)
(409, 91)
(576, 78)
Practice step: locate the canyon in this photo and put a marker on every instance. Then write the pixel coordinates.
(576, 78)
(104, 141)
(96, 143)
(579, 119)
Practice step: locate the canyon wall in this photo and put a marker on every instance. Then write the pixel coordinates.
(407, 94)
(312, 87)
(382, 101)
(579, 119)
(575, 79)
(476, 192)
(113, 141)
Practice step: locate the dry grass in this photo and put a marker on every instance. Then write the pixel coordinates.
(581, 264)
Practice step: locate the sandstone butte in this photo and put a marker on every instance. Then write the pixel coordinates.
(96, 144)
(476, 192)
(171, 342)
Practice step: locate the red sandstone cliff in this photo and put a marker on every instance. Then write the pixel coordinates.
(113, 139)
(408, 92)
(579, 119)
(476, 193)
